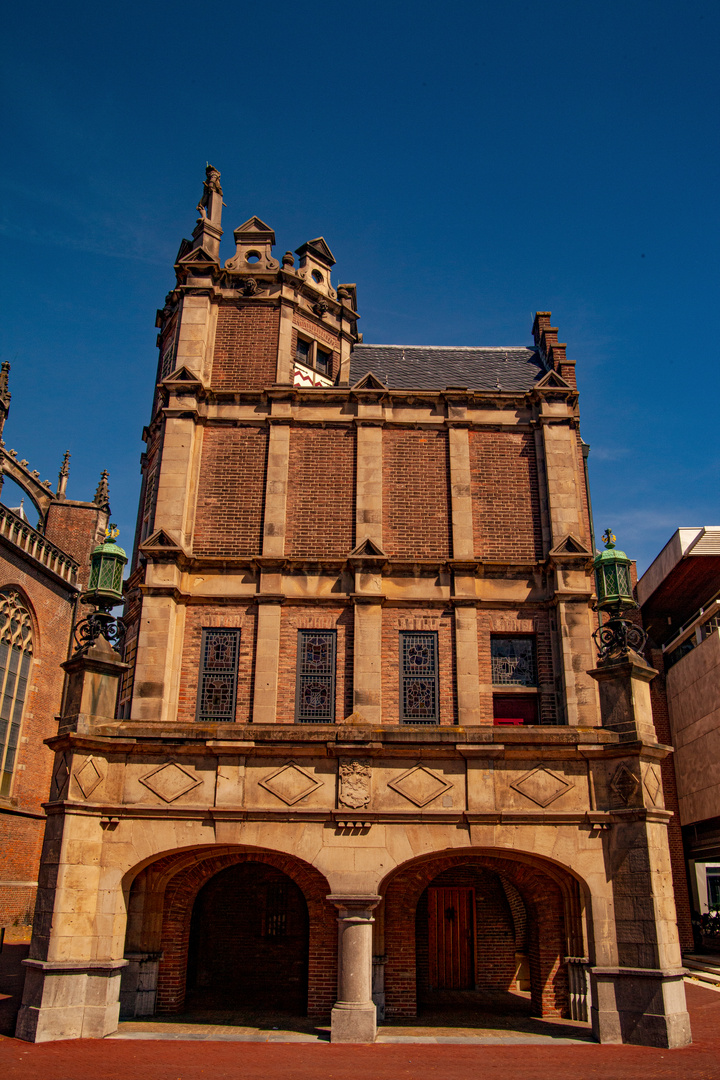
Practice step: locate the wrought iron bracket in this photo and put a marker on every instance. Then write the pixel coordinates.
(98, 624)
(615, 638)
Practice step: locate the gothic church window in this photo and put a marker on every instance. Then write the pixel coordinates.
(315, 690)
(419, 678)
(16, 652)
(217, 689)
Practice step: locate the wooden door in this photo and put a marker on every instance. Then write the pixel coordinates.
(451, 938)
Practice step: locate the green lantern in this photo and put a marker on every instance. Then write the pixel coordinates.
(107, 563)
(612, 578)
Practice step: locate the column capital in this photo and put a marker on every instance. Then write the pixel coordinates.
(353, 906)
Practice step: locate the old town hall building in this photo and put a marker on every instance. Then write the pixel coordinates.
(363, 750)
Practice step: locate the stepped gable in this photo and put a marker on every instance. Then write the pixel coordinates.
(423, 367)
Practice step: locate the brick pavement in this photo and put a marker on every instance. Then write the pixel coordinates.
(176, 1060)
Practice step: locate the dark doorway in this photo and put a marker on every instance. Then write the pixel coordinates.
(249, 941)
(451, 938)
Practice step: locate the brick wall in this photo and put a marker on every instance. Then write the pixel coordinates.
(416, 495)
(75, 530)
(297, 618)
(208, 615)
(506, 504)
(176, 910)
(397, 620)
(545, 920)
(231, 491)
(246, 347)
(21, 815)
(321, 492)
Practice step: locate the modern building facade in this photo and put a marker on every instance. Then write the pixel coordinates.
(679, 596)
(42, 571)
(363, 751)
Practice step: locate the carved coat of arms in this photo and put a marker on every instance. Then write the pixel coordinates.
(354, 783)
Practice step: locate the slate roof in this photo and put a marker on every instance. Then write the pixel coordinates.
(424, 367)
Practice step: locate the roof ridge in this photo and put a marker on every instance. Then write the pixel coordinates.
(477, 348)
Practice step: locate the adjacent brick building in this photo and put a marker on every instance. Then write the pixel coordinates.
(42, 571)
(360, 690)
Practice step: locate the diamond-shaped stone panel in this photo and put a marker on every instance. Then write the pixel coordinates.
(290, 783)
(61, 775)
(88, 777)
(652, 784)
(170, 781)
(541, 786)
(419, 785)
(625, 783)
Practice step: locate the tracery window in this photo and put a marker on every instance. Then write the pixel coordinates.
(513, 661)
(16, 652)
(315, 691)
(419, 678)
(217, 686)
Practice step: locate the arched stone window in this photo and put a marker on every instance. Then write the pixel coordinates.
(16, 651)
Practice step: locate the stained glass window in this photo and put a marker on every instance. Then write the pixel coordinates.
(16, 651)
(218, 675)
(315, 694)
(418, 678)
(513, 661)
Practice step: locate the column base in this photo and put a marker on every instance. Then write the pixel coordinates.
(644, 1007)
(68, 1000)
(353, 1023)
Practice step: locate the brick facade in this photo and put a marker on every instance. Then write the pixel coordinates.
(416, 498)
(321, 496)
(506, 504)
(246, 342)
(231, 491)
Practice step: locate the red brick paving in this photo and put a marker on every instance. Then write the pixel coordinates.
(89, 1059)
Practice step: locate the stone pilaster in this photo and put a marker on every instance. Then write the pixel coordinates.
(460, 493)
(159, 656)
(196, 336)
(267, 658)
(367, 658)
(369, 501)
(467, 664)
(354, 1015)
(277, 480)
(177, 479)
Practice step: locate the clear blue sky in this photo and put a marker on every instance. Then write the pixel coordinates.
(468, 163)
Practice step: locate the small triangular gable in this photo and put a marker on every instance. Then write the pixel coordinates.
(367, 549)
(160, 541)
(369, 382)
(197, 255)
(254, 225)
(183, 375)
(319, 249)
(571, 545)
(552, 381)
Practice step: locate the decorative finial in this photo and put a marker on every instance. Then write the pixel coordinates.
(4, 393)
(288, 260)
(63, 476)
(102, 495)
(610, 538)
(112, 532)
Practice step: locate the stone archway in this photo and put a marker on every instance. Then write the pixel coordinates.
(551, 929)
(161, 902)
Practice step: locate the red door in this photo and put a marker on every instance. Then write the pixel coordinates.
(451, 937)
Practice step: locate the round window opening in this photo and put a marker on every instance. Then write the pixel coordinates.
(253, 257)
(317, 276)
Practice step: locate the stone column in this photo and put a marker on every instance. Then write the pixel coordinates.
(642, 999)
(160, 637)
(354, 1016)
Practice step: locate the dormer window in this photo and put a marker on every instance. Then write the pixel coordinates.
(316, 358)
